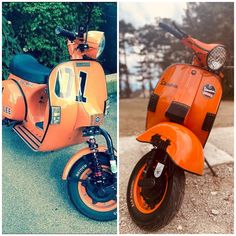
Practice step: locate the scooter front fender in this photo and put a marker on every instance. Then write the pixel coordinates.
(185, 149)
(76, 157)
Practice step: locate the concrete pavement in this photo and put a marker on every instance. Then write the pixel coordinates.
(34, 198)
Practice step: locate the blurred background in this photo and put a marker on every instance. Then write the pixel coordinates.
(30, 28)
(146, 50)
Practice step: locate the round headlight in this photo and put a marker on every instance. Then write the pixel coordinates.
(216, 58)
(101, 46)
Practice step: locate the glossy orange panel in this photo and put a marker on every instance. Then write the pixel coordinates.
(184, 84)
(82, 107)
(62, 135)
(36, 97)
(200, 49)
(76, 157)
(185, 149)
(95, 92)
(178, 83)
(203, 105)
(13, 105)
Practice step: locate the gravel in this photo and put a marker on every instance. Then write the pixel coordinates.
(208, 202)
(201, 211)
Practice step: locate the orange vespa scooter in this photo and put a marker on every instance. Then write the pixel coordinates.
(55, 108)
(181, 113)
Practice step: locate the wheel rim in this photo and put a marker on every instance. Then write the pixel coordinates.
(139, 201)
(88, 201)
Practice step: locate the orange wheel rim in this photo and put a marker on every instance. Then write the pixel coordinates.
(99, 206)
(140, 203)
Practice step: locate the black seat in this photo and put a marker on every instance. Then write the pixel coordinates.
(28, 68)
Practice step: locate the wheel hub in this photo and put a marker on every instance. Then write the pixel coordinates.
(101, 192)
(152, 189)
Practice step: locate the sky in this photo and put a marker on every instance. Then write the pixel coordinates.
(141, 13)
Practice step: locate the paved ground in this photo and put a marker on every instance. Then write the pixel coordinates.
(34, 197)
(208, 201)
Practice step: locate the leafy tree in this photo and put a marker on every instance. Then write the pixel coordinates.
(34, 25)
(124, 41)
(210, 22)
(214, 23)
(10, 46)
(109, 26)
(154, 45)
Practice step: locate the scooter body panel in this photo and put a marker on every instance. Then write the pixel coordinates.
(76, 157)
(28, 102)
(33, 96)
(13, 102)
(187, 95)
(185, 148)
(78, 89)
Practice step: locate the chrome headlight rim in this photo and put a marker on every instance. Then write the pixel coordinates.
(101, 46)
(209, 54)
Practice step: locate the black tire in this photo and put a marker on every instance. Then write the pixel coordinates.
(77, 171)
(172, 199)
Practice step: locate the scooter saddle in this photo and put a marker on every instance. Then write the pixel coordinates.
(28, 68)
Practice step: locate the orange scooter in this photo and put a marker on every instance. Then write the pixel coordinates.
(55, 108)
(180, 116)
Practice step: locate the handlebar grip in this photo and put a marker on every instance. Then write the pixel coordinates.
(66, 33)
(171, 30)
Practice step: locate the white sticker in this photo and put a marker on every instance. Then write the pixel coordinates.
(113, 166)
(158, 170)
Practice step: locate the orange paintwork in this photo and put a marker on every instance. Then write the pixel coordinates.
(185, 148)
(36, 98)
(75, 115)
(184, 83)
(77, 88)
(94, 38)
(139, 202)
(188, 86)
(201, 49)
(13, 102)
(76, 157)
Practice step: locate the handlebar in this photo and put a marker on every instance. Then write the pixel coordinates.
(178, 34)
(66, 33)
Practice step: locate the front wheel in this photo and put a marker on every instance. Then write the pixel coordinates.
(96, 201)
(154, 204)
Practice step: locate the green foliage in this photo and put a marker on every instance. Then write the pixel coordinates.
(109, 26)
(34, 25)
(10, 45)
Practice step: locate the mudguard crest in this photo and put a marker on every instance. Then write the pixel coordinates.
(185, 149)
